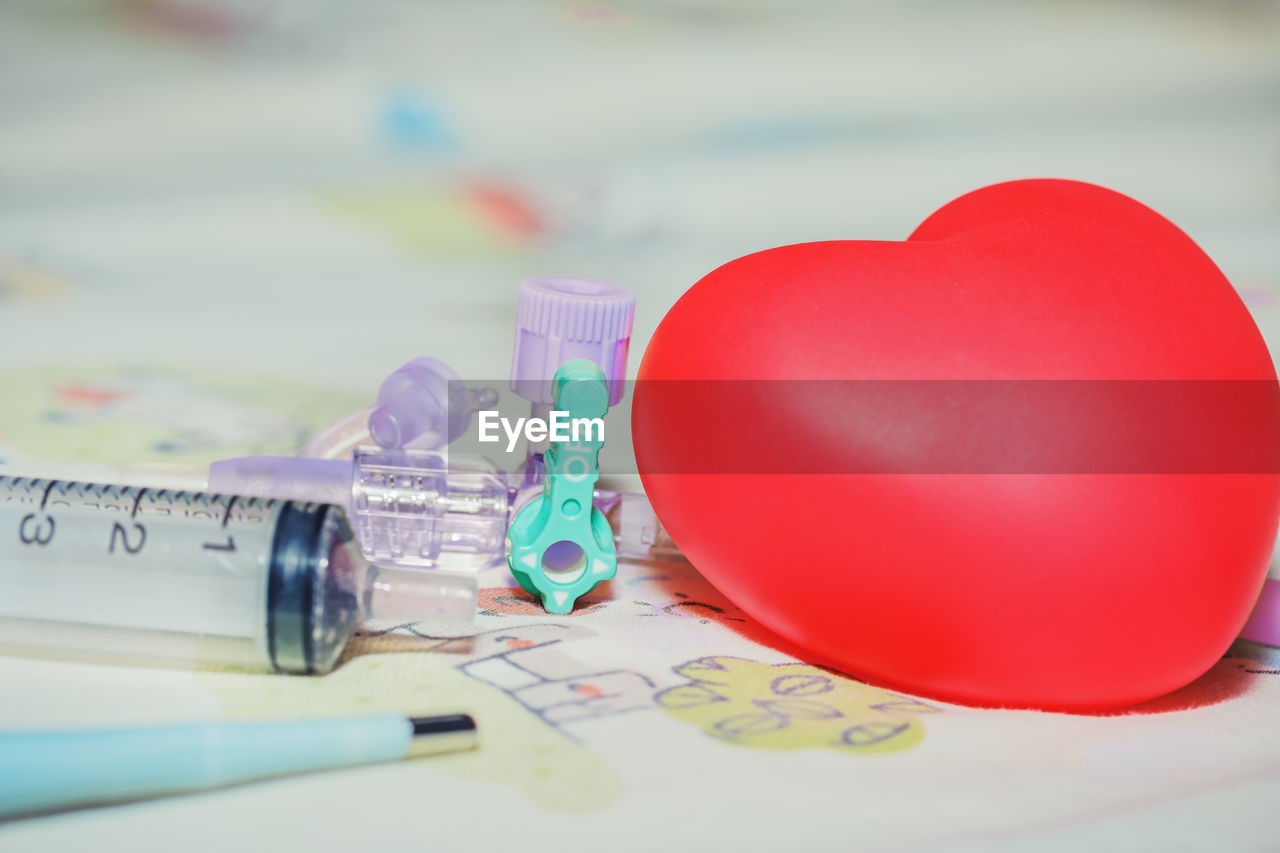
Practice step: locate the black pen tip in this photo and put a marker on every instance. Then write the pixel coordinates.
(442, 724)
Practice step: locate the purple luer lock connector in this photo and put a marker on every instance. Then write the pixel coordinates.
(559, 318)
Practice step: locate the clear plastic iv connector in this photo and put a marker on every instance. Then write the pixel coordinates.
(423, 509)
(411, 508)
(195, 576)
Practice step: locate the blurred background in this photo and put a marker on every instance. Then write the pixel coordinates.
(310, 193)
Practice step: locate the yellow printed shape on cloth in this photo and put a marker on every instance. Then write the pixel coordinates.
(792, 706)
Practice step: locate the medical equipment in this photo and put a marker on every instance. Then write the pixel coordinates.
(45, 770)
(560, 545)
(423, 509)
(559, 318)
(198, 576)
(425, 402)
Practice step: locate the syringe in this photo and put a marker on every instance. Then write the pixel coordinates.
(197, 576)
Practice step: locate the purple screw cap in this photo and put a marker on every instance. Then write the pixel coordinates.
(560, 317)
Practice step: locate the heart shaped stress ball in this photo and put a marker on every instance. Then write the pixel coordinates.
(1024, 458)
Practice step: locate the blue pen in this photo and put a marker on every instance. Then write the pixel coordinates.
(49, 770)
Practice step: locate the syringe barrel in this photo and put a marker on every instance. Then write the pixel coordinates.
(118, 571)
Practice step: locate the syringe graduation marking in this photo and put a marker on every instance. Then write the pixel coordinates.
(137, 559)
(38, 526)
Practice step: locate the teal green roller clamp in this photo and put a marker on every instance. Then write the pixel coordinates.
(564, 512)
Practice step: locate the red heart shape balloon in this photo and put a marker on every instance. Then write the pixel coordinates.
(1087, 575)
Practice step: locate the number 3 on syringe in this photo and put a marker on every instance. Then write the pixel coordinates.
(32, 532)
